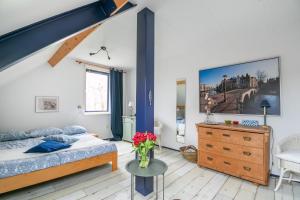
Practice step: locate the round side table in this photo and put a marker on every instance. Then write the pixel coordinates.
(155, 168)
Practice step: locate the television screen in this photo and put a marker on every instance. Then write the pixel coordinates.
(240, 88)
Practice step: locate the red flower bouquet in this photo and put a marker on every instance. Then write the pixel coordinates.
(142, 144)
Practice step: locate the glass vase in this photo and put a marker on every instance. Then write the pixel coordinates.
(144, 160)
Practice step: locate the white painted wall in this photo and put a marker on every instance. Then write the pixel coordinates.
(66, 80)
(32, 11)
(204, 33)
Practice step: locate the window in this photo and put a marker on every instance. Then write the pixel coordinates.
(97, 91)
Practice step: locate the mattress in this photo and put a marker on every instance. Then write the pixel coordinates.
(13, 160)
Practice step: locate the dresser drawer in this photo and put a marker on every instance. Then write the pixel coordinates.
(231, 166)
(243, 138)
(239, 152)
(208, 160)
(228, 165)
(208, 133)
(209, 145)
(251, 170)
(249, 154)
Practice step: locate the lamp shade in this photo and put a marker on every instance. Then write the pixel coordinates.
(265, 103)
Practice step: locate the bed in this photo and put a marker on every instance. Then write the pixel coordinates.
(19, 169)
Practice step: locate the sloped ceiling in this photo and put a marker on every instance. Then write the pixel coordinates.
(15, 14)
(38, 59)
(118, 34)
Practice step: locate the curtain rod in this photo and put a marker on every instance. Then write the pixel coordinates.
(98, 65)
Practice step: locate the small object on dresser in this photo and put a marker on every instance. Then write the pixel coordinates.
(189, 153)
(265, 105)
(209, 116)
(227, 122)
(252, 123)
(235, 122)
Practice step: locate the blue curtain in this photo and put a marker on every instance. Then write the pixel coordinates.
(116, 96)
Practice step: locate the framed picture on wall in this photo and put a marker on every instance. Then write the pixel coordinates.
(45, 104)
(241, 88)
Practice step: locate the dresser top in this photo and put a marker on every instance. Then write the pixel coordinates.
(259, 129)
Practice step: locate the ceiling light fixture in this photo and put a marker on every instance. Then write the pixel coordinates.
(102, 48)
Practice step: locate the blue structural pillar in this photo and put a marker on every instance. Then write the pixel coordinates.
(145, 85)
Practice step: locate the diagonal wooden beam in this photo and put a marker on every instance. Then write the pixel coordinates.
(69, 45)
(74, 41)
(119, 5)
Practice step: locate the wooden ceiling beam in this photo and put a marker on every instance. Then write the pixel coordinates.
(119, 5)
(69, 45)
(74, 41)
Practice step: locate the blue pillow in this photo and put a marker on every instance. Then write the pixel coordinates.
(72, 130)
(67, 139)
(13, 135)
(48, 146)
(44, 132)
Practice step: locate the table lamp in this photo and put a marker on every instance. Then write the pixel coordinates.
(265, 105)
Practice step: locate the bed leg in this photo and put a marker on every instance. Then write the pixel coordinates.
(114, 163)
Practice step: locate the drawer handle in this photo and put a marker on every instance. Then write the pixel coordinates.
(247, 153)
(226, 149)
(247, 168)
(226, 135)
(247, 138)
(209, 133)
(209, 158)
(227, 163)
(209, 145)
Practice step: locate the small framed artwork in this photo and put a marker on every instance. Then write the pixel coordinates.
(44, 104)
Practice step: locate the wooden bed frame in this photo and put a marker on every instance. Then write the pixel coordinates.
(39, 176)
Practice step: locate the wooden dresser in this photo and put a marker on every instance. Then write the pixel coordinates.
(236, 150)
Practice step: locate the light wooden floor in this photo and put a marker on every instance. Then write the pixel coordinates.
(183, 181)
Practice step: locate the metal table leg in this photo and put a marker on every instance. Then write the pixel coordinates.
(132, 187)
(163, 186)
(156, 188)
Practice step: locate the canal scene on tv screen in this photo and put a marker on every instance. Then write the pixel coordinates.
(240, 88)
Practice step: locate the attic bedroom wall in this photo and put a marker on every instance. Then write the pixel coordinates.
(205, 34)
(66, 80)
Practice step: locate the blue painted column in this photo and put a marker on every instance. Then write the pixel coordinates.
(145, 85)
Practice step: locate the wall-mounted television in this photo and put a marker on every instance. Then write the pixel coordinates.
(240, 88)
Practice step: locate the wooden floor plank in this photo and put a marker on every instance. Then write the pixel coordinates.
(190, 190)
(285, 192)
(247, 191)
(266, 192)
(210, 190)
(229, 189)
(296, 190)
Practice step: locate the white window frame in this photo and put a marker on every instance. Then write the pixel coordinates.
(106, 72)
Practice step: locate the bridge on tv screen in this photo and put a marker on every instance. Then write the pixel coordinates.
(235, 100)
